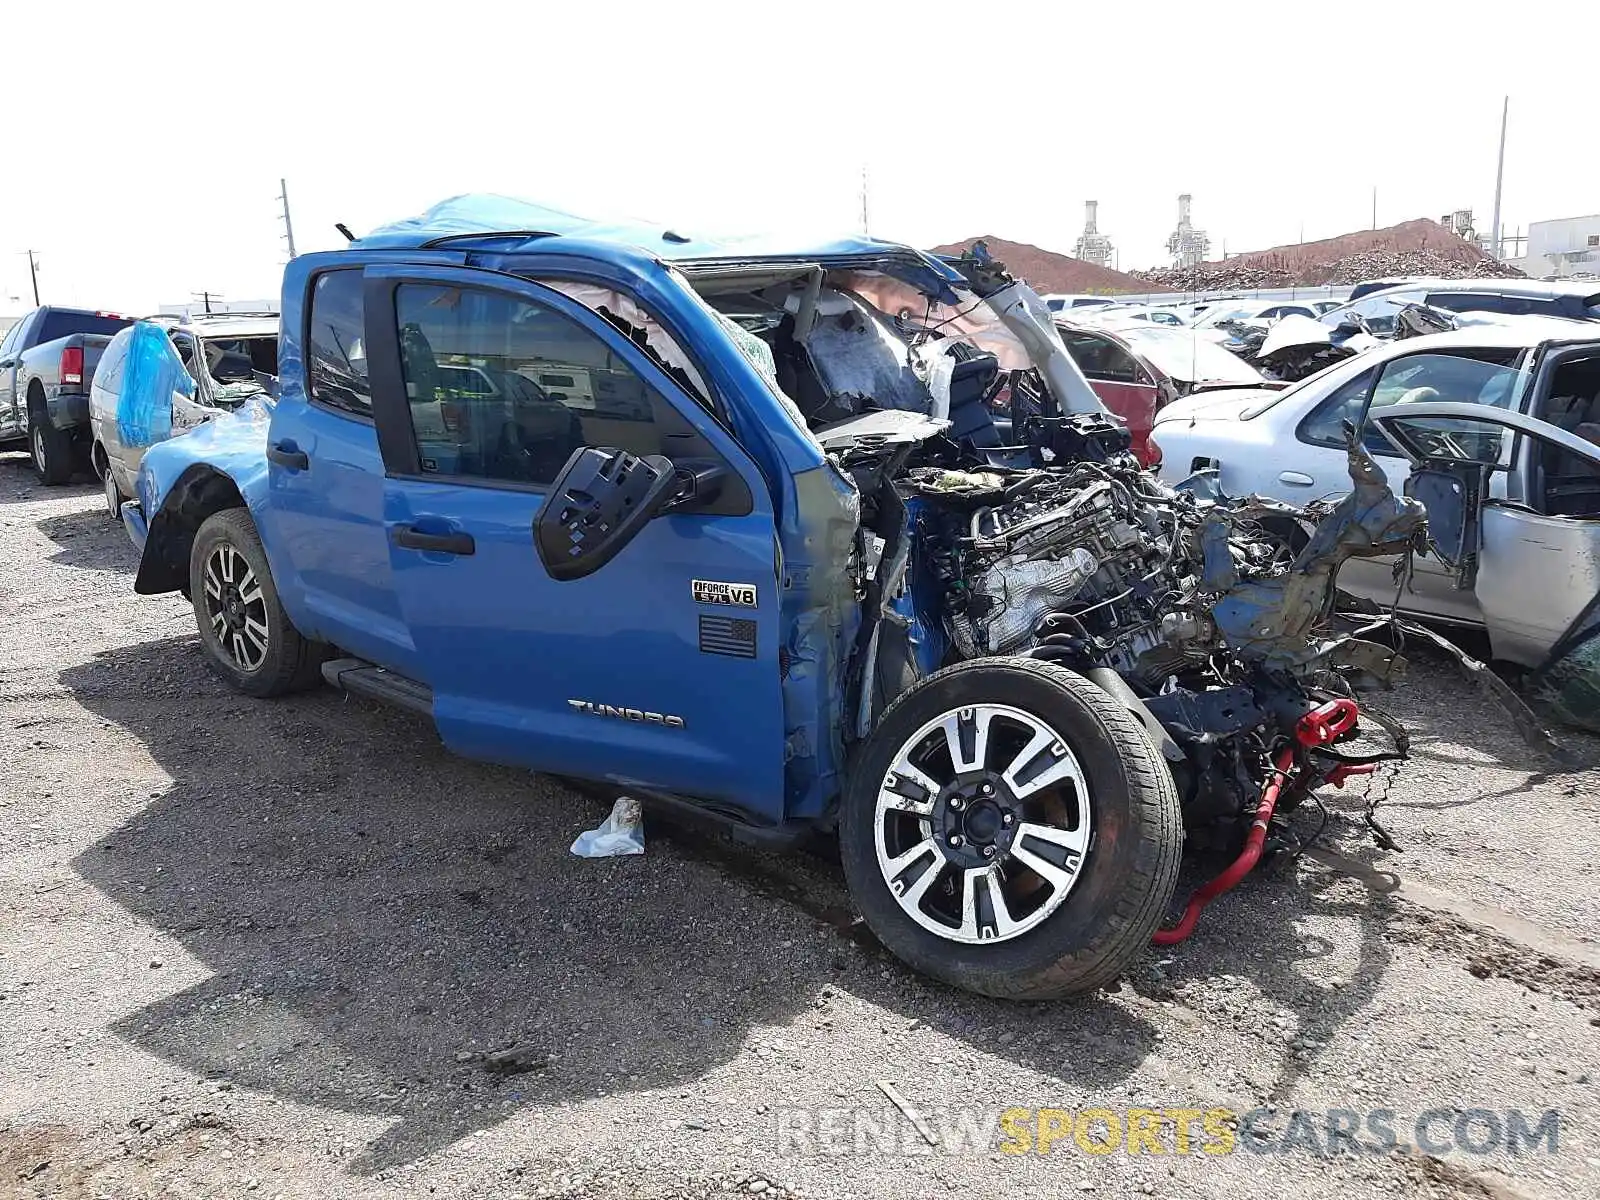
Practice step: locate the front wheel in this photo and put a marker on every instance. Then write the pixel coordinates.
(247, 637)
(1009, 828)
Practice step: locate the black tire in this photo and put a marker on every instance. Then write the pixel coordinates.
(1128, 872)
(50, 448)
(289, 662)
(111, 489)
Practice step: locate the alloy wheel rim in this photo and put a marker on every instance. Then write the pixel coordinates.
(113, 495)
(983, 823)
(37, 443)
(236, 607)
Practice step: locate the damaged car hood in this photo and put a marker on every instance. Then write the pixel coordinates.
(1214, 406)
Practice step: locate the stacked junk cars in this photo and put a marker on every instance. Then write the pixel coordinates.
(1509, 472)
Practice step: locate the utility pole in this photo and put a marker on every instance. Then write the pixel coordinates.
(205, 298)
(288, 227)
(866, 225)
(1500, 174)
(33, 273)
(1374, 206)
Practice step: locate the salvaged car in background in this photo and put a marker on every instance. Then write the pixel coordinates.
(162, 375)
(1296, 346)
(1525, 563)
(1136, 370)
(1377, 308)
(1129, 314)
(775, 565)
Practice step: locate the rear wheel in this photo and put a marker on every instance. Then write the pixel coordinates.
(113, 493)
(51, 447)
(248, 638)
(1009, 828)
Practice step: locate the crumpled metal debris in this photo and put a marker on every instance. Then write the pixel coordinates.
(1273, 620)
(1298, 346)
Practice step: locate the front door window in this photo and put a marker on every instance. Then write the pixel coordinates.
(503, 388)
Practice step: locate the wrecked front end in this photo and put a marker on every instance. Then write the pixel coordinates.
(1055, 669)
(1207, 618)
(1039, 537)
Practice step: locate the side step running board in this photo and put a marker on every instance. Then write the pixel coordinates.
(377, 683)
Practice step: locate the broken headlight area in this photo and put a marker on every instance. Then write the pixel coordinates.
(1208, 618)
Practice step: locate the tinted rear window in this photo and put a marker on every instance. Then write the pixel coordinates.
(60, 323)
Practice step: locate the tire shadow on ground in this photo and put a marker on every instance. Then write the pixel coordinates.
(376, 913)
(18, 482)
(90, 540)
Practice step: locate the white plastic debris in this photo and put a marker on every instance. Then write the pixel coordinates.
(620, 833)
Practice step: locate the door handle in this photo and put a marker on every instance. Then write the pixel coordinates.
(285, 455)
(1295, 478)
(411, 538)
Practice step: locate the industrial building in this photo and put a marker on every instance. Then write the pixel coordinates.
(1563, 249)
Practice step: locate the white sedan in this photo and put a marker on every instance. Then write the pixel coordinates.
(1530, 564)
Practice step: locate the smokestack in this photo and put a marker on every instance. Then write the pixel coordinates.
(1187, 245)
(1092, 245)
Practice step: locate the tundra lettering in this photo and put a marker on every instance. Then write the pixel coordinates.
(627, 714)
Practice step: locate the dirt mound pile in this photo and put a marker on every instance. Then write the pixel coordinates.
(1419, 247)
(1047, 271)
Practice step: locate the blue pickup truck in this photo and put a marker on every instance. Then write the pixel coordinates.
(740, 529)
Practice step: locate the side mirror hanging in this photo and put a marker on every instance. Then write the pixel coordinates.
(598, 504)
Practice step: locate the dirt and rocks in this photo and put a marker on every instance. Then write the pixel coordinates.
(294, 949)
(1419, 248)
(1048, 271)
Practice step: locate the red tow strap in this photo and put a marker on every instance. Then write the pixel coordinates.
(1317, 728)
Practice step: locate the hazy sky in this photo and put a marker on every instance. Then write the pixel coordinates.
(145, 145)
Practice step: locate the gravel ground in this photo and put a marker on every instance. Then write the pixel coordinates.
(294, 949)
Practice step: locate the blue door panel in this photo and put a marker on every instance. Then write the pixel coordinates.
(603, 677)
(326, 522)
(507, 649)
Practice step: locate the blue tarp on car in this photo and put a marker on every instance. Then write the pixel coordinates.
(151, 373)
(474, 215)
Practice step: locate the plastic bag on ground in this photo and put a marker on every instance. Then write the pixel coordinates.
(620, 833)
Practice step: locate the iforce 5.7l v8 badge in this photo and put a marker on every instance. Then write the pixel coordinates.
(738, 595)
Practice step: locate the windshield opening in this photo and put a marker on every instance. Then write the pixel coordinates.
(237, 360)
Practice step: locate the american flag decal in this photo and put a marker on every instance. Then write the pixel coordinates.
(733, 636)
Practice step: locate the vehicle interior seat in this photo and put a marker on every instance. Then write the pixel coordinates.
(1571, 484)
(232, 366)
(421, 366)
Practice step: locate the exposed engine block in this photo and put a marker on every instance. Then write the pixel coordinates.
(1089, 552)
